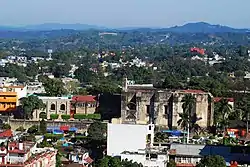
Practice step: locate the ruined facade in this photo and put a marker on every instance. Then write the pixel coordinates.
(144, 104)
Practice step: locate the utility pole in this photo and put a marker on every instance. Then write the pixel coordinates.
(188, 132)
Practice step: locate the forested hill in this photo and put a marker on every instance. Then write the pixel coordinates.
(66, 39)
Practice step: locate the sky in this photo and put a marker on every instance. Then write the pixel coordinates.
(125, 13)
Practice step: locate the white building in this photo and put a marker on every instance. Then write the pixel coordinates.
(128, 137)
(148, 158)
(35, 87)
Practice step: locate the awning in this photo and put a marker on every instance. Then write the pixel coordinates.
(73, 129)
(64, 128)
(55, 131)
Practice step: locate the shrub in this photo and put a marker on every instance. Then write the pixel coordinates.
(6, 126)
(33, 129)
(53, 136)
(87, 116)
(65, 117)
(196, 137)
(20, 128)
(54, 116)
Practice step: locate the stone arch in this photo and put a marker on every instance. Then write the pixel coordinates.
(63, 107)
(52, 106)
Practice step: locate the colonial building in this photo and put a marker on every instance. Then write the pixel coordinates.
(143, 104)
(54, 105)
(84, 104)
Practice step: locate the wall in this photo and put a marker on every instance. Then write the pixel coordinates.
(125, 137)
(16, 123)
(201, 108)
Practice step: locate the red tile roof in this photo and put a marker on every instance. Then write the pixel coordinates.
(7, 133)
(193, 91)
(81, 98)
(217, 99)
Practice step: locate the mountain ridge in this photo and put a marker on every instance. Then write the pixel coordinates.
(196, 27)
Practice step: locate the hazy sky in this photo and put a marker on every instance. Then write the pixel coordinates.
(125, 13)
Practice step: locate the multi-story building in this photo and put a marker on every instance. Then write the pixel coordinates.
(54, 105)
(8, 101)
(143, 104)
(20, 90)
(25, 154)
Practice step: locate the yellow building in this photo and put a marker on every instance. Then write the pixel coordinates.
(8, 101)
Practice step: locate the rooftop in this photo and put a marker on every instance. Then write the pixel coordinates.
(80, 98)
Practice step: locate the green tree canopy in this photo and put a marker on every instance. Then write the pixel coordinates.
(97, 131)
(31, 103)
(212, 161)
(108, 161)
(54, 87)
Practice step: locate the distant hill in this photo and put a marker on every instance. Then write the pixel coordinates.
(51, 26)
(202, 27)
(199, 27)
(57, 26)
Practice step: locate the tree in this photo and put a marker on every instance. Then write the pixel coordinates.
(43, 126)
(33, 129)
(97, 131)
(108, 161)
(31, 103)
(54, 87)
(222, 111)
(58, 159)
(43, 115)
(212, 161)
(171, 163)
(103, 87)
(188, 117)
(6, 126)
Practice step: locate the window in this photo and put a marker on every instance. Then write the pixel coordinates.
(178, 159)
(166, 109)
(148, 109)
(52, 107)
(62, 107)
(149, 128)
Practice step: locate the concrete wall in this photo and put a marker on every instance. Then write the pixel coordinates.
(146, 102)
(16, 123)
(201, 108)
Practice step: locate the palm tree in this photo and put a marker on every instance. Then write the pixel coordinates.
(187, 117)
(224, 109)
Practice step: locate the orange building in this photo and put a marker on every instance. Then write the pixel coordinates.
(8, 101)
